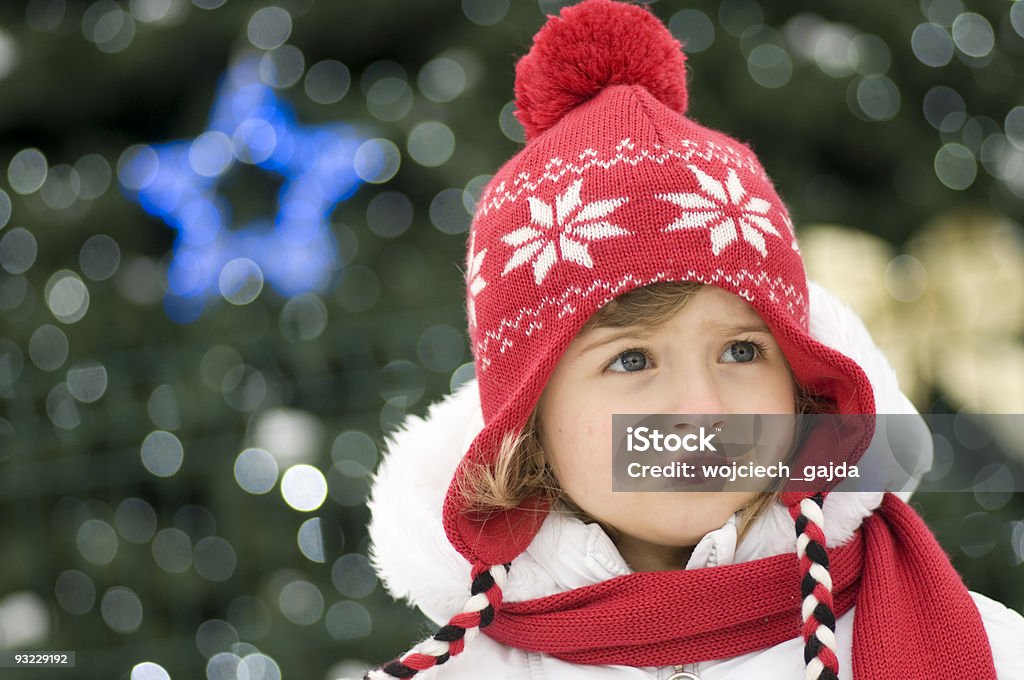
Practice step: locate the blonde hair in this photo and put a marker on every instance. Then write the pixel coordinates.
(522, 469)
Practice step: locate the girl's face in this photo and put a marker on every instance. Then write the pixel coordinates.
(714, 356)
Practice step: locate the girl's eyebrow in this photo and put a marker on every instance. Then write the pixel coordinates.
(750, 326)
(642, 332)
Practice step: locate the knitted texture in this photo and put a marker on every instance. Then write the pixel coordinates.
(913, 620)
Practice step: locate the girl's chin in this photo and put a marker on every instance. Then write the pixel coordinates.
(682, 523)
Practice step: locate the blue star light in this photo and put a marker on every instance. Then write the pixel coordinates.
(178, 182)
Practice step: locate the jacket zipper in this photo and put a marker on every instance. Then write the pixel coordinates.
(685, 672)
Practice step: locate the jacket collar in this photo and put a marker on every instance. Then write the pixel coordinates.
(416, 562)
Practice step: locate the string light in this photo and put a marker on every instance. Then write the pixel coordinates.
(295, 251)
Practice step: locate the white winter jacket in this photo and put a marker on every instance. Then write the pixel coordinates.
(416, 562)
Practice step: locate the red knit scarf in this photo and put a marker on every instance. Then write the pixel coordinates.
(914, 616)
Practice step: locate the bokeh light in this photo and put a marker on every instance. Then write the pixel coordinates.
(377, 161)
(973, 35)
(215, 636)
(158, 11)
(108, 26)
(136, 520)
(121, 609)
(61, 408)
(485, 12)
(61, 188)
(442, 80)
(87, 381)
(256, 471)
(448, 212)
(269, 27)
(99, 257)
(877, 98)
(67, 296)
(389, 214)
(162, 453)
(327, 81)
(27, 171)
(223, 666)
(301, 602)
(75, 592)
(736, 16)
(215, 559)
(94, 176)
(348, 620)
(353, 576)
(172, 550)
(303, 318)
(693, 28)
(147, 670)
(509, 124)
(311, 540)
(48, 347)
(24, 619)
(257, 665)
(932, 45)
(290, 435)
(282, 67)
(389, 99)
(770, 66)
(241, 281)
(250, 616)
(5, 208)
(955, 166)
(303, 487)
(9, 54)
(18, 250)
(431, 144)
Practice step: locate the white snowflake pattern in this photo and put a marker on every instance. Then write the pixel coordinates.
(721, 208)
(569, 224)
(475, 281)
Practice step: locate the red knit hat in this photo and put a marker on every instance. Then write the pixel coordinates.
(617, 189)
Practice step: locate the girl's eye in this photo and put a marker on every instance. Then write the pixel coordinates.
(743, 351)
(630, 361)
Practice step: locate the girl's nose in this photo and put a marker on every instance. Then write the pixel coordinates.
(694, 392)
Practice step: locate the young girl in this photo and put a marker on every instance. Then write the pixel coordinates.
(629, 260)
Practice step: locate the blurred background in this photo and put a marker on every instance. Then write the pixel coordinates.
(232, 236)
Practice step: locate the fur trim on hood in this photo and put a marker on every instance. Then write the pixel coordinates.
(416, 562)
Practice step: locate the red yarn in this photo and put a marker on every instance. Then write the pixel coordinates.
(591, 46)
(914, 618)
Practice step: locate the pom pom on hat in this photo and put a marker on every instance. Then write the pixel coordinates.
(592, 45)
